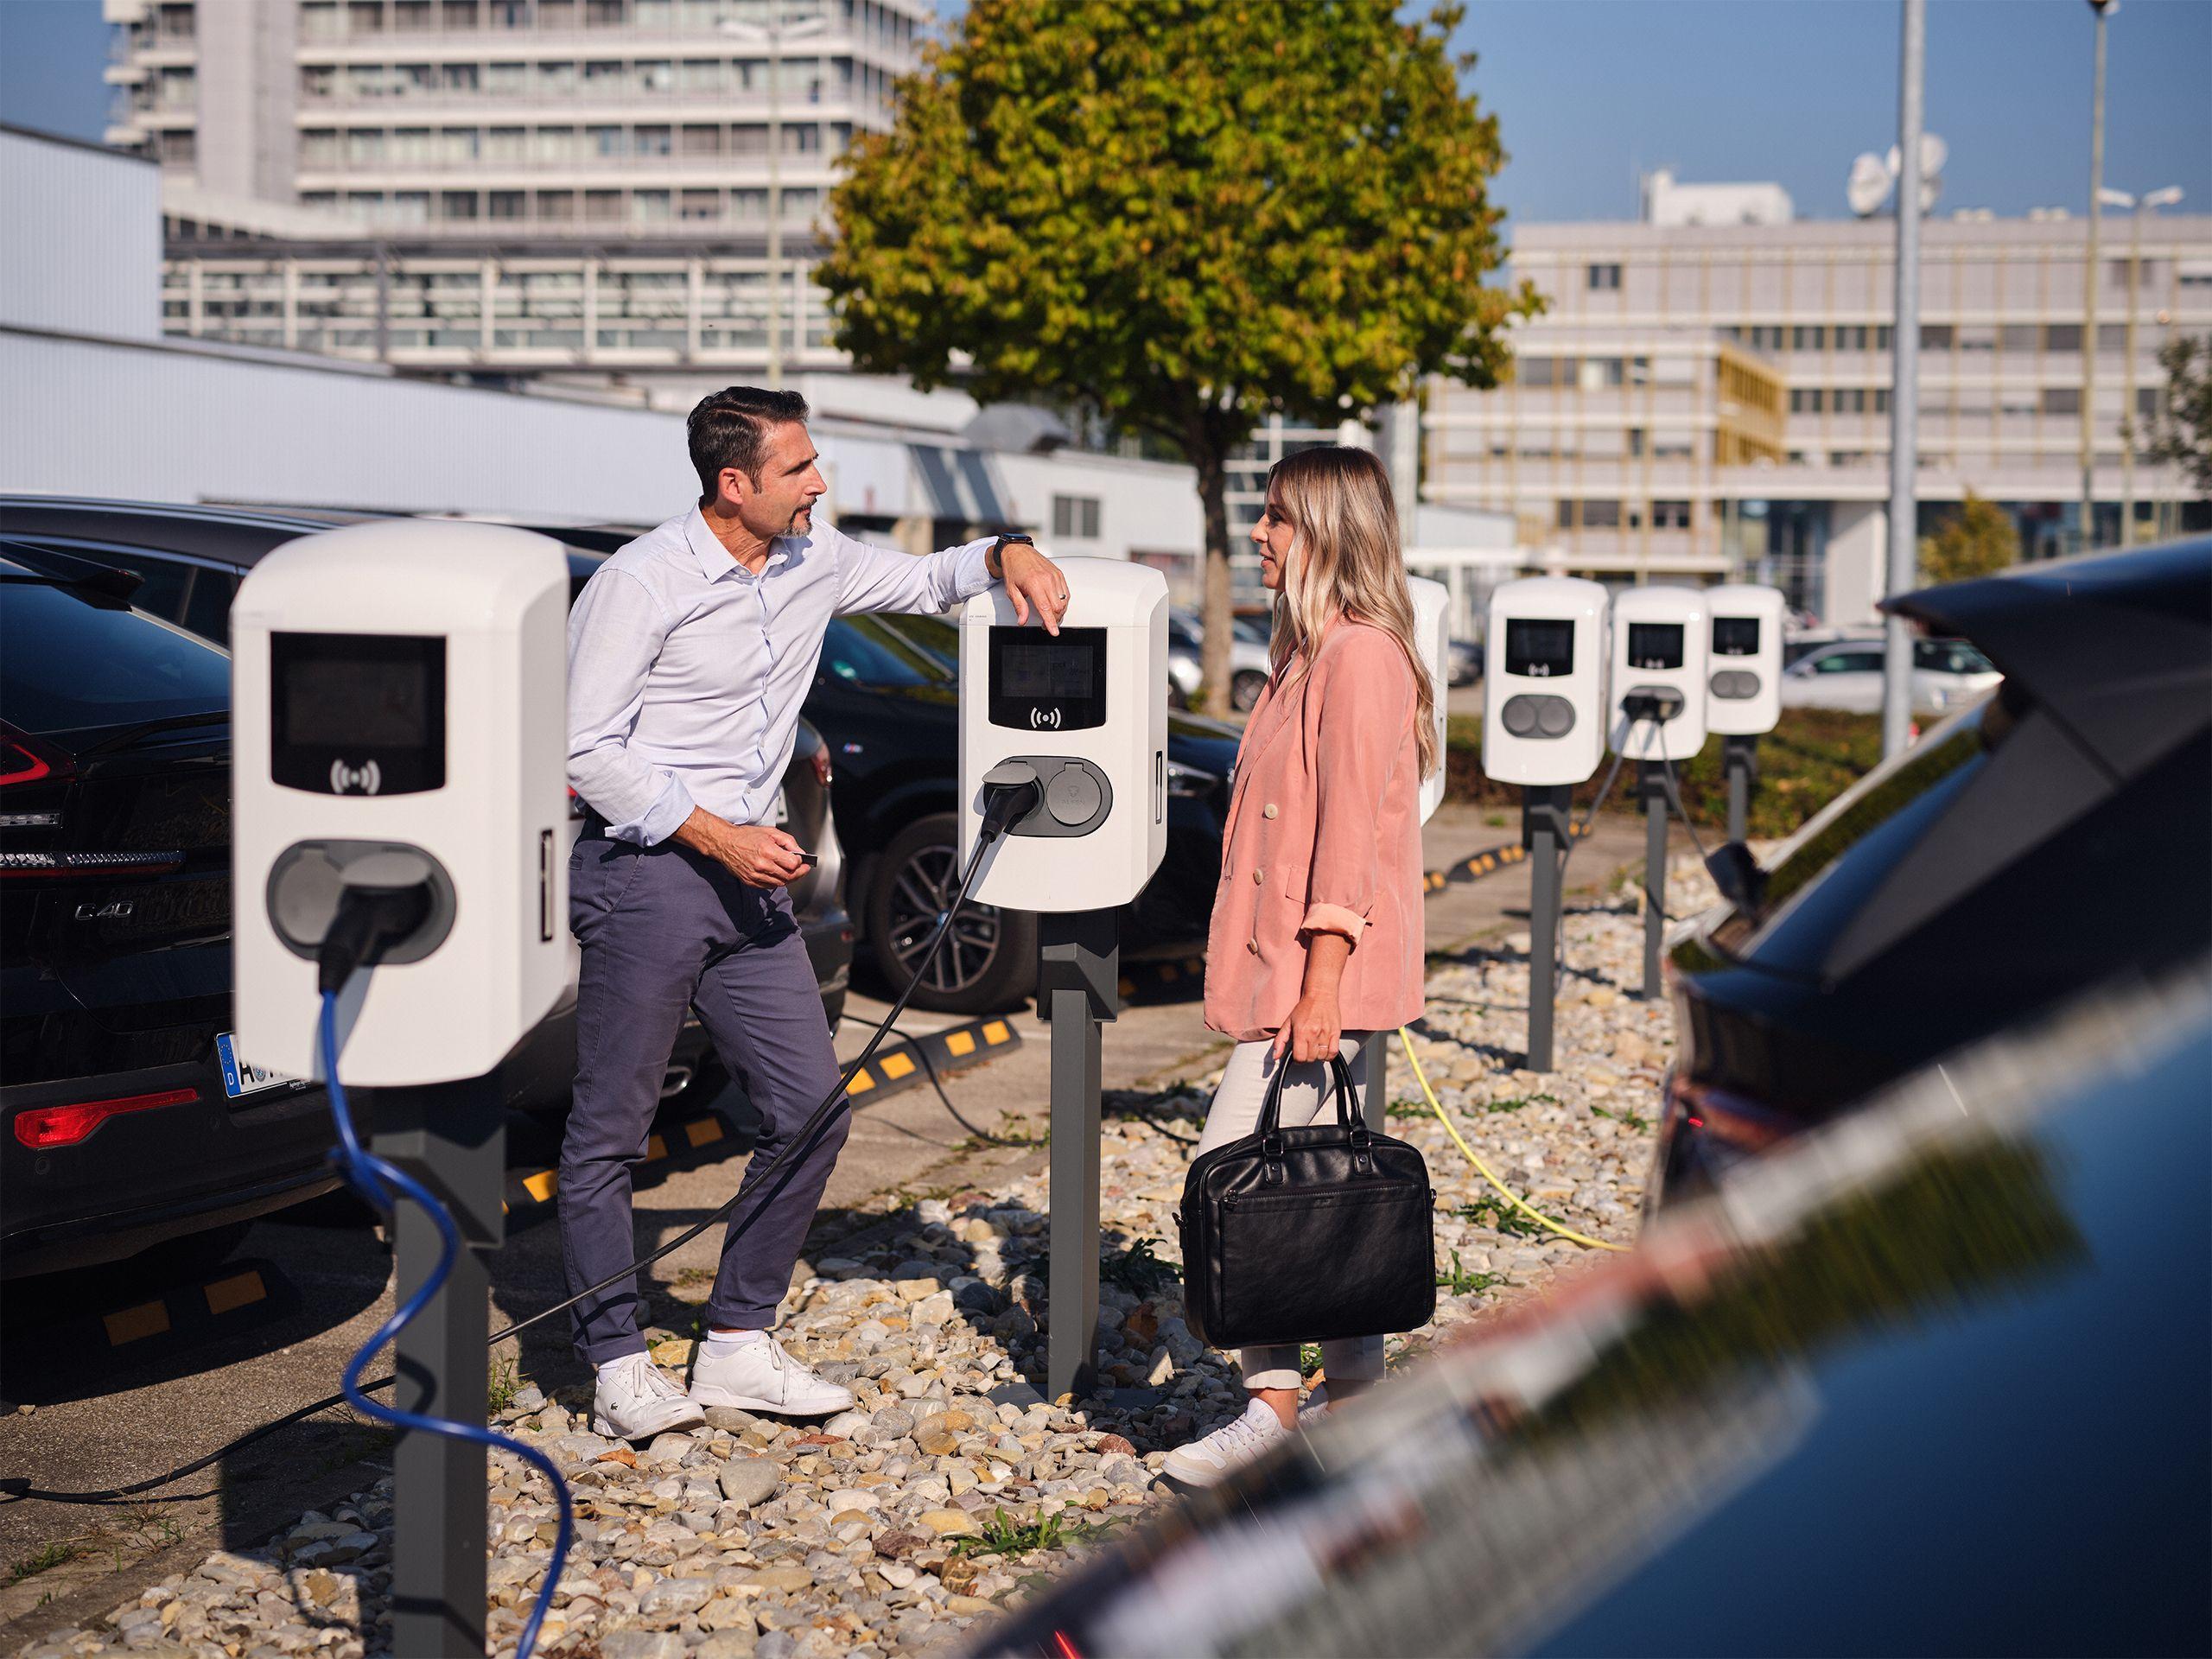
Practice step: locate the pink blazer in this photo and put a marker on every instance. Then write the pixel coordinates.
(1323, 836)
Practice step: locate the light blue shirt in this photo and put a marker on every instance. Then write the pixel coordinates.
(686, 670)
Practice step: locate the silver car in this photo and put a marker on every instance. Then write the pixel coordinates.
(1846, 674)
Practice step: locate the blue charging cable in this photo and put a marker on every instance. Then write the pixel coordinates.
(376, 1180)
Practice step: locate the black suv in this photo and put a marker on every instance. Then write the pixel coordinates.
(130, 1118)
(2053, 838)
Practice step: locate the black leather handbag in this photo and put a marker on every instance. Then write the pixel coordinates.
(1308, 1234)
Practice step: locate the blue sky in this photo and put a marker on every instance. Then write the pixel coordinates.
(1588, 93)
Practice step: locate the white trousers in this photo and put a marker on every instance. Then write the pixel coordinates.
(1235, 1114)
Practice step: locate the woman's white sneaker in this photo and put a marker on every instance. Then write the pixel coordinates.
(759, 1376)
(1229, 1448)
(634, 1401)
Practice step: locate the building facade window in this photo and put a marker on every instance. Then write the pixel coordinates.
(1934, 336)
(1076, 516)
(2062, 400)
(1807, 400)
(1804, 339)
(1670, 515)
(1605, 279)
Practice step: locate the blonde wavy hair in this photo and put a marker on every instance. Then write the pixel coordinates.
(1345, 556)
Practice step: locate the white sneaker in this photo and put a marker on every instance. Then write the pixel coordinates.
(1229, 1448)
(761, 1376)
(1315, 1409)
(634, 1401)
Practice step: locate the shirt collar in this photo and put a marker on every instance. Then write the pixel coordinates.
(714, 559)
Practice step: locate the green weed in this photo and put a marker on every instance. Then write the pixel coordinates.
(1496, 1213)
(500, 1386)
(43, 1558)
(1518, 1101)
(1460, 1282)
(1003, 1535)
(1635, 1120)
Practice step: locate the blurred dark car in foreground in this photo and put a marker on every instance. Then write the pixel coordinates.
(131, 1121)
(2056, 836)
(1931, 1381)
(190, 560)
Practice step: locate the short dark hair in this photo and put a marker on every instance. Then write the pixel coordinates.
(730, 427)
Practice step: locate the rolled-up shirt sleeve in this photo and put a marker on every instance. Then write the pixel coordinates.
(878, 579)
(1364, 706)
(615, 633)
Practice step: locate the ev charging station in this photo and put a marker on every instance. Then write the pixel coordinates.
(398, 693)
(1656, 707)
(1083, 715)
(1744, 694)
(1544, 728)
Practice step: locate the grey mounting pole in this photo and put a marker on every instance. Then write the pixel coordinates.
(1740, 756)
(1544, 809)
(1373, 1073)
(452, 1137)
(1651, 790)
(1078, 984)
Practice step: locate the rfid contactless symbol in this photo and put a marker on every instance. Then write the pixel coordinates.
(365, 779)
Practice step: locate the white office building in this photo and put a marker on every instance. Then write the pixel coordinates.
(1708, 393)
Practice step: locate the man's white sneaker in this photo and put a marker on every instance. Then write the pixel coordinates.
(759, 1376)
(1229, 1448)
(1315, 1409)
(634, 1401)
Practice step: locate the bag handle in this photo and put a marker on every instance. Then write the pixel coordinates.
(1349, 1117)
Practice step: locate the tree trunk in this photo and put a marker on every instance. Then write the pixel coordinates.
(1212, 463)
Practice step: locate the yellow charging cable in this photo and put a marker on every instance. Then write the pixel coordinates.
(1475, 1158)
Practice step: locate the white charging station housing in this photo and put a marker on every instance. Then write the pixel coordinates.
(1658, 648)
(1744, 687)
(1432, 635)
(1089, 711)
(403, 687)
(1544, 681)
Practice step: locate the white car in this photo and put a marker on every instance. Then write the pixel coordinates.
(1249, 666)
(1846, 674)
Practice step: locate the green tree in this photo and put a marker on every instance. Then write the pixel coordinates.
(2183, 436)
(1979, 540)
(1184, 214)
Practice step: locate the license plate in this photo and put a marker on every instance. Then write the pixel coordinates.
(243, 1077)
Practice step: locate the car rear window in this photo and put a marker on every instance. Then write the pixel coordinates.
(69, 664)
(1950, 657)
(866, 651)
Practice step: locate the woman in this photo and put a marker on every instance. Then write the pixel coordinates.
(1316, 939)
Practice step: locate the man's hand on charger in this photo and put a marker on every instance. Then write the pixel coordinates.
(755, 854)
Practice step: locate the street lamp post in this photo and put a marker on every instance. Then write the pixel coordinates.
(1904, 386)
(2141, 207)
(2089, 283)
(772, 38)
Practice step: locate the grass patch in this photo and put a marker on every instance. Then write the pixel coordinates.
(1137, 1269)
(44, 1559)
(1495, 820)
(1812, 756)
(1496, 1213)
(1003, 1535)
(1635, 1121)
(1515, 1103)
(1406, 1109)
(501, 1385)
(1461, 1282)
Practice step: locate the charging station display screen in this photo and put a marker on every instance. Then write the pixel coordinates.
(356, 714)
(1040, 683)
(1735, 636)
(1655, 644)
(1542, 650)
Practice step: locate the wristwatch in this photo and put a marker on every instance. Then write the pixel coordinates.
(993, 562)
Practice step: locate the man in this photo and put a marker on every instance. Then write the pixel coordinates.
(689, 653)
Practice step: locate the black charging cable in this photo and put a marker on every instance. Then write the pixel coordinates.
(1011, 792)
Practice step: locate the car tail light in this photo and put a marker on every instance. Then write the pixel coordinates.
(820, 758)
(43, 1127)
(24, 759)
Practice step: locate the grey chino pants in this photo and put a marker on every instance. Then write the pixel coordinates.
(661, 928)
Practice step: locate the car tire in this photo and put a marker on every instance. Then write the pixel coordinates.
(1244, 689)
(988, 966)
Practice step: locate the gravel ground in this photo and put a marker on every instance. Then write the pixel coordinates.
(953, 1486)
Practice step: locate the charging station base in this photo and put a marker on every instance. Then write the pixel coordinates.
(452, 1137)
(1078, 976)
(1651, 792)
(1545, 809)
(1739, 759)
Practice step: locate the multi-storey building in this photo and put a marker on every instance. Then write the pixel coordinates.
(1707, 398)
(509, 186)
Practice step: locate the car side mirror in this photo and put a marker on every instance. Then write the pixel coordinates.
(1739, 878)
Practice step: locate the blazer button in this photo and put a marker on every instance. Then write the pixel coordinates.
(1269, 810)
(1258, 876)
(1253, 945)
